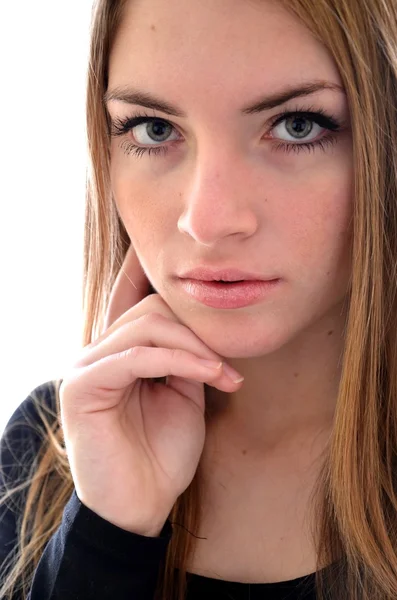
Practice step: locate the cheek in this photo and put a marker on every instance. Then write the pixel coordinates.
(147, 202)
(140, 211)
(134, 204)
(320, 231)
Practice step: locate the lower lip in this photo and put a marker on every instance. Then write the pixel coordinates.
(228, 295)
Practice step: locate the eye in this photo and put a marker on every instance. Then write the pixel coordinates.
(304, 126)
(300, 125)
(146, 130)
(155, 130)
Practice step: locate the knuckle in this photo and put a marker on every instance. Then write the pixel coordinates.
(151, 318)
(177, 354)
(153, 301)
(155, 317)
(156, 304)
(133, 352)
(127, 354)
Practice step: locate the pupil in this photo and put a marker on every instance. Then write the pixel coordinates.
(157, 129)
(300, 126)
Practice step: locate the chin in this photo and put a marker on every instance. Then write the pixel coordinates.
(250, 342)
(238, 333)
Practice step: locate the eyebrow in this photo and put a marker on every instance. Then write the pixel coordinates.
(134, 96)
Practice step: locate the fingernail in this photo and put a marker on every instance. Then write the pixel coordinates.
(234, 375)
(212, 364)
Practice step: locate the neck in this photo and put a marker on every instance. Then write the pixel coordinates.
(285, 394)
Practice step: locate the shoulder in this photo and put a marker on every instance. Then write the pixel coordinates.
(25, 432)
(29, 417)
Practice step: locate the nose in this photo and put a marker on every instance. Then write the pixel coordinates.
(218, 203)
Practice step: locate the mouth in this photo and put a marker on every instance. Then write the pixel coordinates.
(225, 275)
(227, 282)
(229, 294)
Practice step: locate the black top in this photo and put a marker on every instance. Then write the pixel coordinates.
(89, 557)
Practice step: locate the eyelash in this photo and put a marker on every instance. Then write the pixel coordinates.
(121, 127)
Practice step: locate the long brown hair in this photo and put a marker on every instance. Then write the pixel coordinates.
(355, 501)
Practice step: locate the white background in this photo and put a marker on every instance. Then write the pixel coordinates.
(43, 59)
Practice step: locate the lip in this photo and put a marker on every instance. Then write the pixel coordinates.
(228, 295)
(225, 274)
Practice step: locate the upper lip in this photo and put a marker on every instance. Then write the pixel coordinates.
(224, 274)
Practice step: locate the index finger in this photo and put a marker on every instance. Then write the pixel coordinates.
(130, 287)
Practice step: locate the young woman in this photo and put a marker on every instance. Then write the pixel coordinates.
(230, 141)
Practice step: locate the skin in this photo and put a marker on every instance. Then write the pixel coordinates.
(224, 195)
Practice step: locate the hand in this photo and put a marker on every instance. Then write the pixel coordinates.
(133, 444)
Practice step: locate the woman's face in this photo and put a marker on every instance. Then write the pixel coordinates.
(228, 188)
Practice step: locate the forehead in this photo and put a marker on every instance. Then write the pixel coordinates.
(200, 47)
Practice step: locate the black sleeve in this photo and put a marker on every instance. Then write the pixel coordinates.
(90, 558)
(87, 557)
